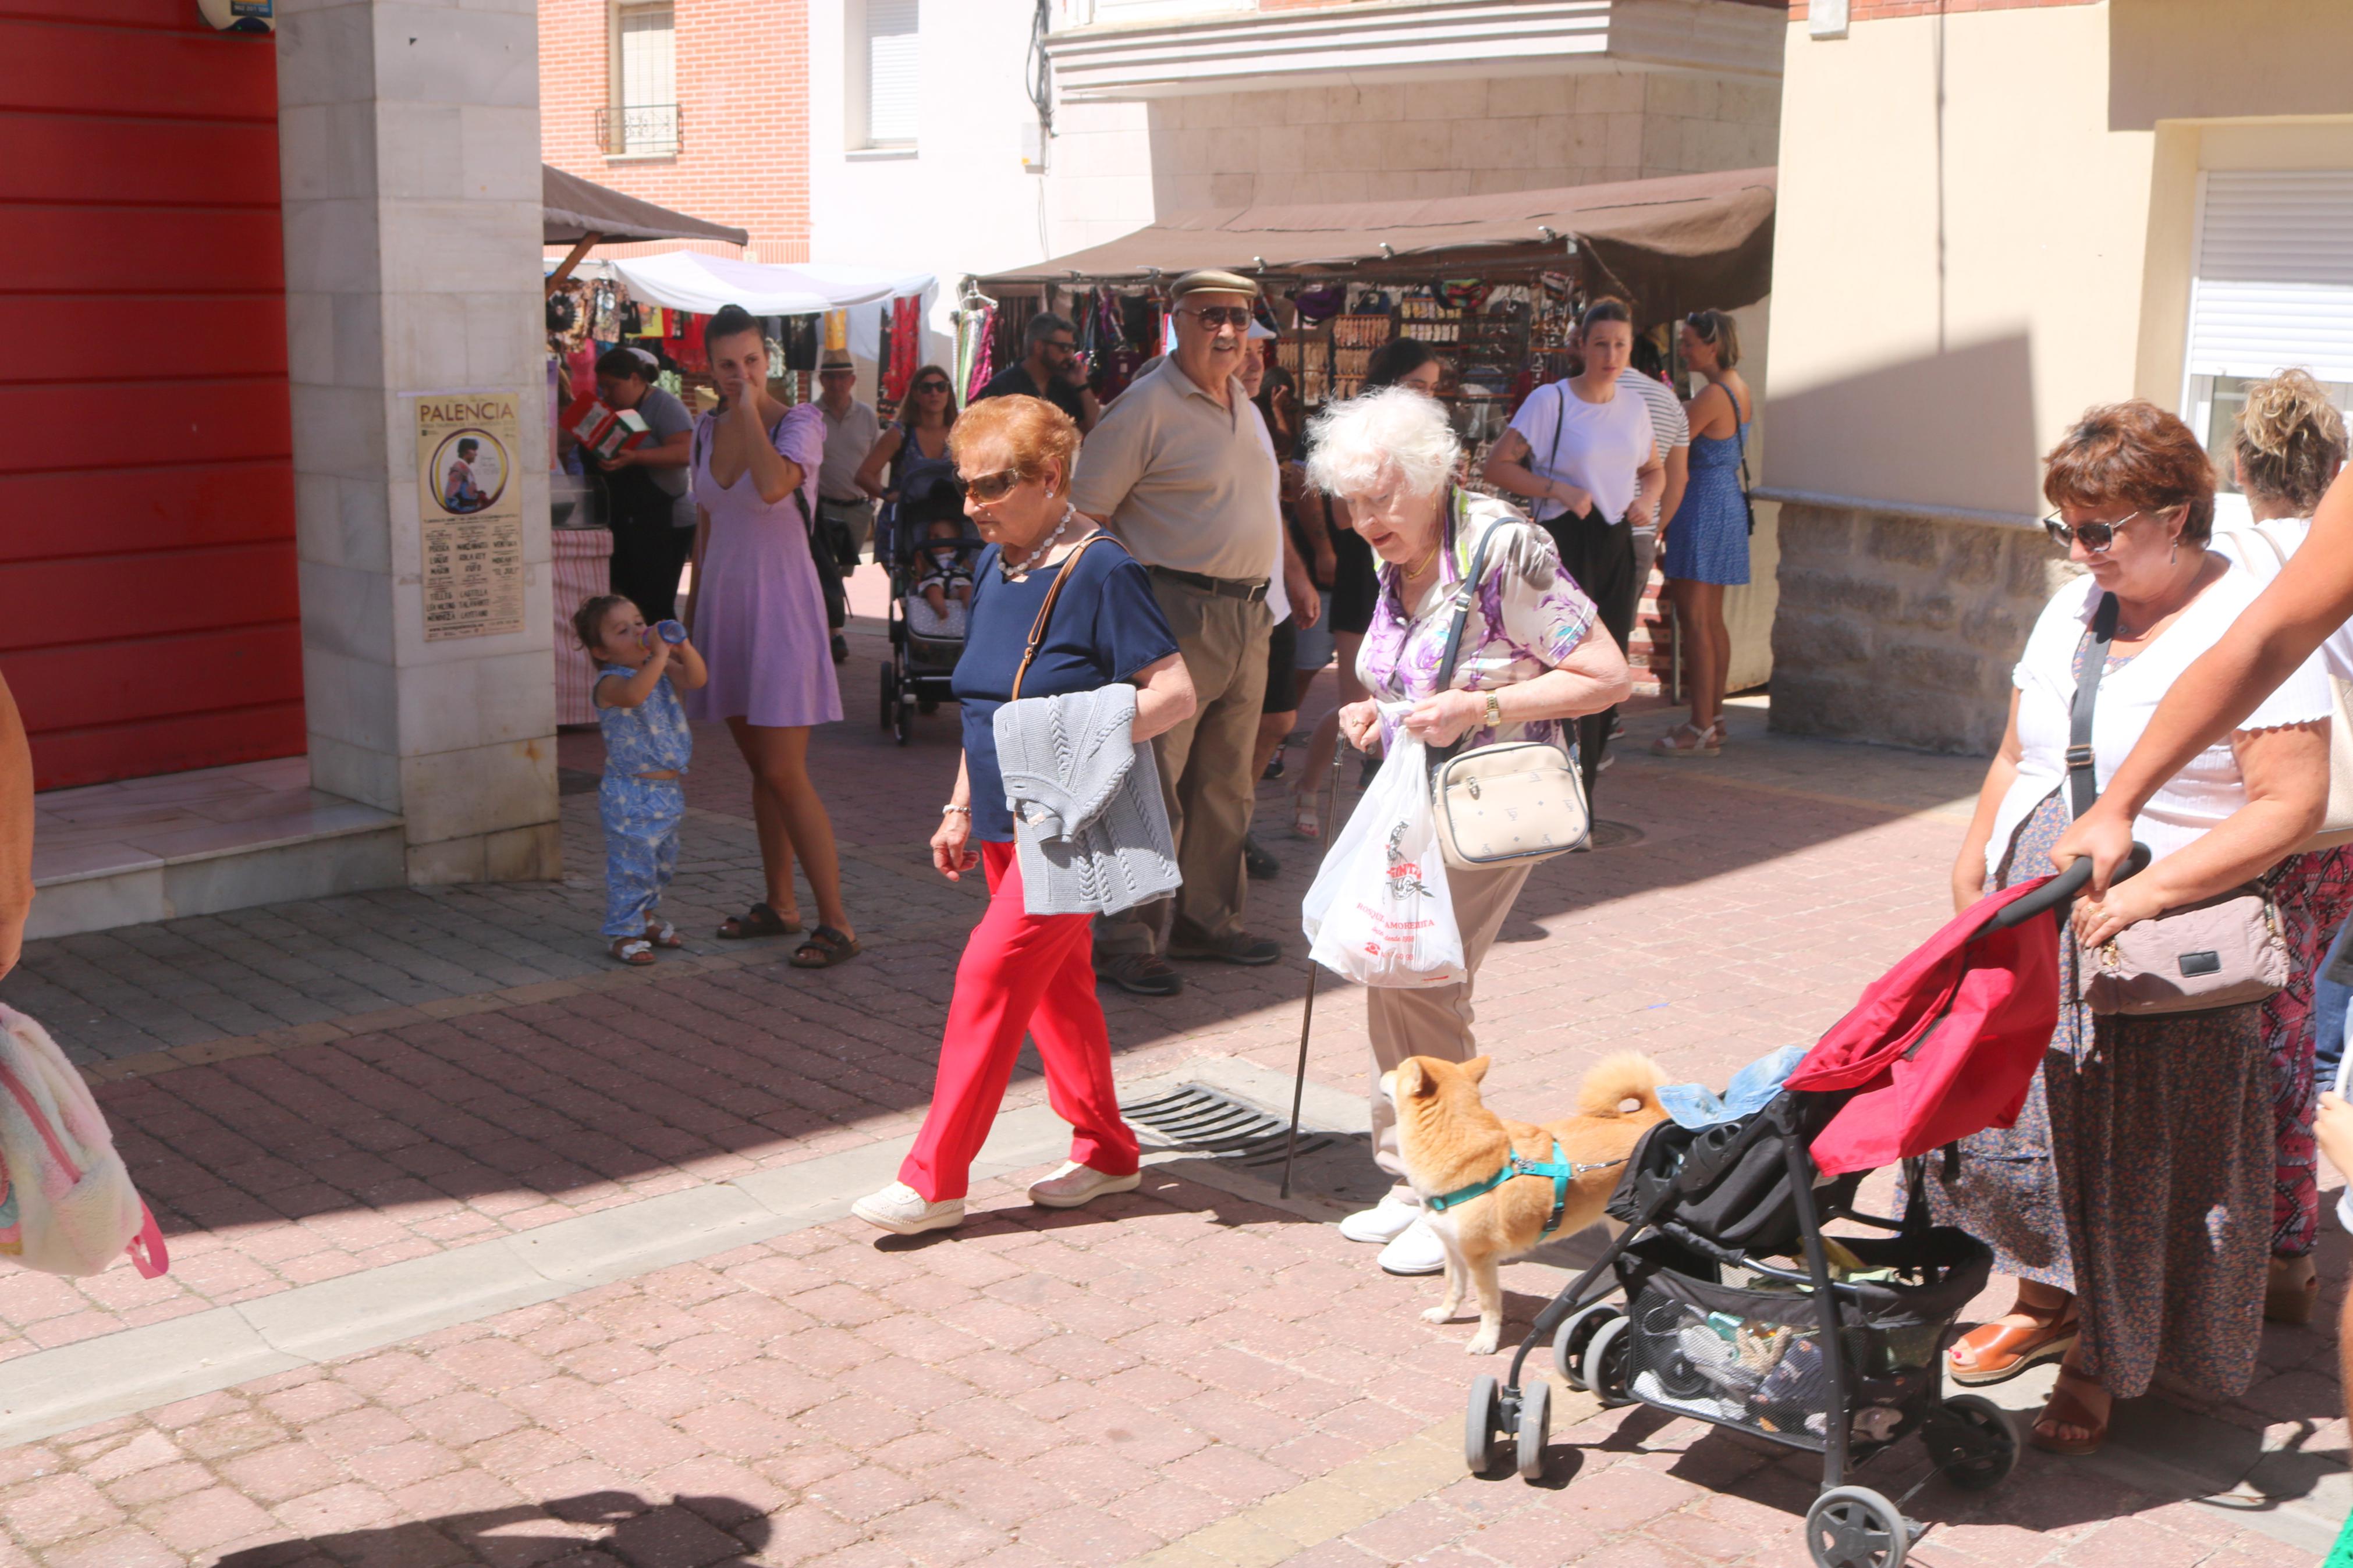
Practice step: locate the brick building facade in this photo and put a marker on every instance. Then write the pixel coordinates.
(729, 139)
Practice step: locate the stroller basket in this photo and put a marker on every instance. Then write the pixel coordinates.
(1750, 1355)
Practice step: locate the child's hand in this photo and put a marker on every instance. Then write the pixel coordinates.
(2332, 1123)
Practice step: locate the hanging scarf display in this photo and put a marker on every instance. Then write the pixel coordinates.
(906, 325)
(837, 332)
(975, 362)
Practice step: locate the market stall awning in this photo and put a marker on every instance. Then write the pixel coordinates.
(689, 280)
(1685, 238)
(573, 209)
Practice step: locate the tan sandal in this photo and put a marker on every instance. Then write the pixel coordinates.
(1686, 741)
(2000, 1351)
(2293, 1290)
(2066, 1408)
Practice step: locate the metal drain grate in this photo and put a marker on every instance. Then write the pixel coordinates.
(1194, 1116)
(1615, 835)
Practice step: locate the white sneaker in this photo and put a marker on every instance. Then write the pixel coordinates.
(1075, 1184)
(899, 1207)
(1416, 1250)
(1383, 1222)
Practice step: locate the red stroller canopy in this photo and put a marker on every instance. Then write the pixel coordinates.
(1943, 1045)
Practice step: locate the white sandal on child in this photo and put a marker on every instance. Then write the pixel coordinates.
(633, 951)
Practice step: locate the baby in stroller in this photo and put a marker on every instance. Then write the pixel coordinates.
(942, 586)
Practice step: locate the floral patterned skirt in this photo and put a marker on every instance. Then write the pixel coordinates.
(2139, 1176)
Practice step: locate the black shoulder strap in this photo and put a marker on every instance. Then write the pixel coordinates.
(2083, 773)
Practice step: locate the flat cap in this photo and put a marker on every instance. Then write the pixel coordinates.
(1213, 282)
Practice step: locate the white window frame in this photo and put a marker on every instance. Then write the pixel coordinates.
(858, 72)
(619, 144)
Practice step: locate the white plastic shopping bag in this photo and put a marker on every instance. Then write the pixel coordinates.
(69, 1206)
(1380, 913)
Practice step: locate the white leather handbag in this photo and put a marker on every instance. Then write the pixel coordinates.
(1509, 802)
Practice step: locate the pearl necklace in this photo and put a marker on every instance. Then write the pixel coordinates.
(1008, 570)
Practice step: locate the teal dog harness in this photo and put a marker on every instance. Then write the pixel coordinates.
(1561, 1172)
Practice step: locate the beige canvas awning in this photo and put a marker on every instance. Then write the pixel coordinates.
(575, 209)
(1682, 241)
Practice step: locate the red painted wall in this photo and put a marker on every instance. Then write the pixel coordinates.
(149, 620)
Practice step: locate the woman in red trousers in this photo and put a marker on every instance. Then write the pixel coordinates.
(1023, 972)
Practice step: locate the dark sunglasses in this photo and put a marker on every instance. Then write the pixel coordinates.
(987, 488)
(2097, 537)
(1215, 316)
(931, 387)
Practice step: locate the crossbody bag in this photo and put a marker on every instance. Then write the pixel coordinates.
(2222, 951)
(1513, 801)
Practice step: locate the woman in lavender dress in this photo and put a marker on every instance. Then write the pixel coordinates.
(759, 617)
(1526, 664)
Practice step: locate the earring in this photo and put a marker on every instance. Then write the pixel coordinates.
(2175, 554)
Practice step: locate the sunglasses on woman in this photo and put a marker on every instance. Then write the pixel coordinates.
(931, 387)
(1702, 323)
(987, 488)
(2097, 537)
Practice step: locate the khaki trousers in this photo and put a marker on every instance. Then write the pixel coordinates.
(1435, 1021)
(1205, 771)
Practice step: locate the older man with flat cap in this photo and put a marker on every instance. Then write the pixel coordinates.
(1181, 472)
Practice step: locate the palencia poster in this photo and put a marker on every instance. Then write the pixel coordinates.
(469, 506)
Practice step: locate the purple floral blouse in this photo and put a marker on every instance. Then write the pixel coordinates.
(1527, 618)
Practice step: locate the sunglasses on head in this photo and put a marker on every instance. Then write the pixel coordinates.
(987, 488)
(2097, 537)
(1703, 324)
(1215, 316)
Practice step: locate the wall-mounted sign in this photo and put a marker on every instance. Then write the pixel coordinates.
(237, 15)
(469, 506)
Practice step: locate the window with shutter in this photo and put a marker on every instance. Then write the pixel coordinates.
(891, 65)
(2272, 288)
(646, 80)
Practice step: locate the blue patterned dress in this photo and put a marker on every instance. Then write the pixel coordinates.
(1707, 539)
(640, 815)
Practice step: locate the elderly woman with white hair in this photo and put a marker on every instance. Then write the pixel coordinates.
(1529, 660)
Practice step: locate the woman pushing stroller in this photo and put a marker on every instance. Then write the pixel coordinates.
(2132, 1200)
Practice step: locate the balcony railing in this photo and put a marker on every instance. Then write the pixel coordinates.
(641, 129)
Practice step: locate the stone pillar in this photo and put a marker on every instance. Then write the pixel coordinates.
(409, 138)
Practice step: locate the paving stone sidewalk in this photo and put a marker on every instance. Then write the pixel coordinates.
(307, 1092)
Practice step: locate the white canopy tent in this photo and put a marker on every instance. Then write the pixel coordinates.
(690, 280)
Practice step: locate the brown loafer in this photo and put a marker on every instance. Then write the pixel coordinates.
(2000, 1351)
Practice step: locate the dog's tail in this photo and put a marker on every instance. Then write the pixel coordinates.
(1613, 1080)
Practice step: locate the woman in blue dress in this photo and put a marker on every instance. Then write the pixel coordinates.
(1703, 548)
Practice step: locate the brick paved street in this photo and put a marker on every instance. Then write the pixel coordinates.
(350, 1089)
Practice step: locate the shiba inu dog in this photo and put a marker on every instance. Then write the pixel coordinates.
(1451, 1143)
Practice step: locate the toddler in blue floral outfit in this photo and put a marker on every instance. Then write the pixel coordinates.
(648, 746)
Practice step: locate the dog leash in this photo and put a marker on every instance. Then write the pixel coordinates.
(1561, 1172)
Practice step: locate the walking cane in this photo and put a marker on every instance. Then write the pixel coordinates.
(1307, 1014)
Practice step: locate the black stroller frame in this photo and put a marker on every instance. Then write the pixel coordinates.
(1970, 1438)
(919, 673)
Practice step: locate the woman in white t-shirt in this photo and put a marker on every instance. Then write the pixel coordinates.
(2289, 443)
(2131, 1199)
(1586, 458)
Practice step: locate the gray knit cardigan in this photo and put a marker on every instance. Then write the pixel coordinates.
(1090, 829)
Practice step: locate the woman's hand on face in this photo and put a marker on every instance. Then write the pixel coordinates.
(1360, 724)
(1444, 719)
(2098, 920)
(950, 851)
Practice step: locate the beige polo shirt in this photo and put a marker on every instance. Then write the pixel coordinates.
(1183, 482)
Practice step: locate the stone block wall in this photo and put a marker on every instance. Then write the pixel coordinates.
(1903, 629)
(1456, 138)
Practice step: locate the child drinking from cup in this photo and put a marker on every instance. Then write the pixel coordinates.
(647, 748)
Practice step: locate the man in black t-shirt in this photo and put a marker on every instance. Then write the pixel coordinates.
(1049, 369)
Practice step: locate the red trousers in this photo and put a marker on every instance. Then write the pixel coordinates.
(1020, 974)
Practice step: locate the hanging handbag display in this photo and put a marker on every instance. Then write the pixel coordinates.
(2337, 824)
(2221, 952)
(1511, 802)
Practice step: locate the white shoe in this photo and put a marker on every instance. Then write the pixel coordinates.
(1075, 1186)
(1416, 1250)
(1383, 1222)
(899, 1207)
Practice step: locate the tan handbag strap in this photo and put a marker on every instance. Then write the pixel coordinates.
(1046, 610)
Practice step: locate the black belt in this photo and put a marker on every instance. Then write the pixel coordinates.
(1253, 589)
(842, 501)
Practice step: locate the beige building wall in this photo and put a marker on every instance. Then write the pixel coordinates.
(1453, 137)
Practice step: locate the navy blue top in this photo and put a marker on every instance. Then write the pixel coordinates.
(1106, 627)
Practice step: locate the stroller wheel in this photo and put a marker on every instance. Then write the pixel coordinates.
(1536, 1426)
(1480, 1423)
(1971, 1441)
(1602, 1366)
(1568, 1342)
(1855, 1527)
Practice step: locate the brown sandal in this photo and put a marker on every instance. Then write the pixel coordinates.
(2000, 1351)
(2064, 1408)
(2292, 1291)
(825, 948)
(761, 919)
